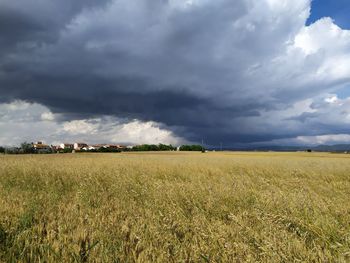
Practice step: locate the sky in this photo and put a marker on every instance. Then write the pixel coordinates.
(338, 10)
(175, 71)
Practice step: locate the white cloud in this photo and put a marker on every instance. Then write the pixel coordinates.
(145, 132)
(323, 35)
(15, 106)
(21, 121)
(324, 139)
(47, 116)
(77, 127)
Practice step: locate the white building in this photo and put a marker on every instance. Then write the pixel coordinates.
(79, 146)
(66, 146)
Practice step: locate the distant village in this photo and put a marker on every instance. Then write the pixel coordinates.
(42, 148)
(78, 146)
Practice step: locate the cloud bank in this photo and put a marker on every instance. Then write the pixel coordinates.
(223, 71)
(21, 121)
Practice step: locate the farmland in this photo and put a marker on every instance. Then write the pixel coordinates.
(175, 207)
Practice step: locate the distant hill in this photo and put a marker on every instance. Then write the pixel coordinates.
(333, 148)
(283, 148)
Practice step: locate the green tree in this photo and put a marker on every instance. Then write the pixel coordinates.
(192, 148)
(27, 147)
(153, 147)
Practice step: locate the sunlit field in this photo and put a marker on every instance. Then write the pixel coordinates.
(175, 207)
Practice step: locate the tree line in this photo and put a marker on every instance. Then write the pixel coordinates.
(24, 148)
(164, 147)
(153, 147)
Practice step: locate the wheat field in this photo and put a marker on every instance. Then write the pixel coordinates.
(175, 207)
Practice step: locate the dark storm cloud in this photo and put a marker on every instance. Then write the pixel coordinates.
(35, 22)
(203, 69)
(93, 95)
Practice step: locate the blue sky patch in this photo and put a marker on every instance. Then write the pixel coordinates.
(339, 10)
